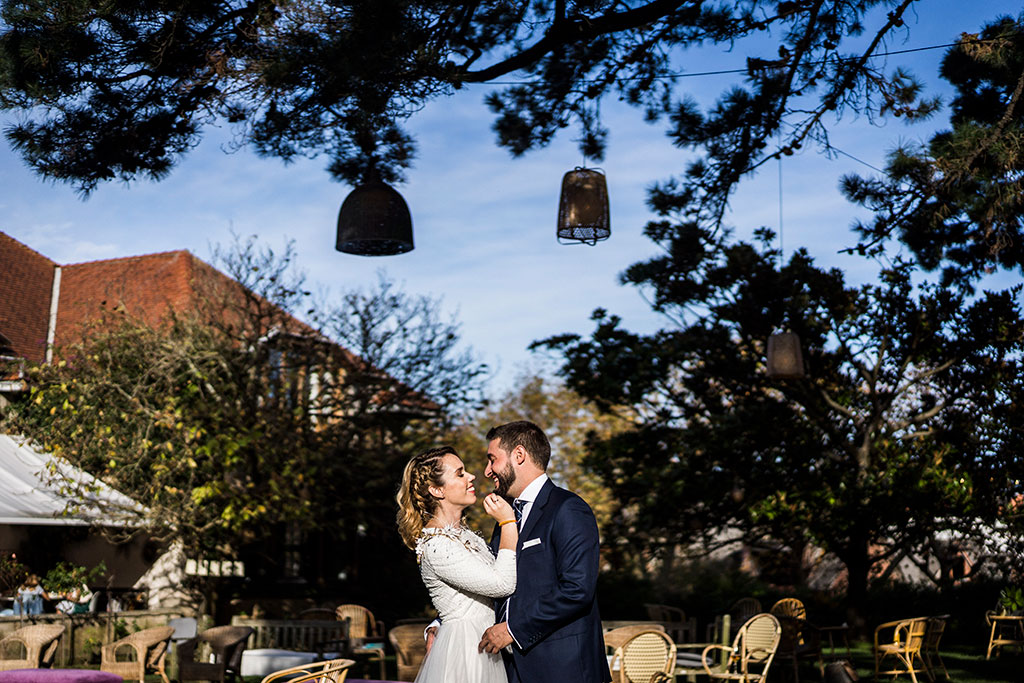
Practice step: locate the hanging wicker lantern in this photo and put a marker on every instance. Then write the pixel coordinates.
(785, 359)
(374, 221)
(583, 207)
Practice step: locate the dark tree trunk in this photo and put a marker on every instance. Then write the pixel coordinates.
(858, 563)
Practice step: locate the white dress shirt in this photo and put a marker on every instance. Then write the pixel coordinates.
(529, 494)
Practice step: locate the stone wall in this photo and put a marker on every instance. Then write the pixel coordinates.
(84, 634)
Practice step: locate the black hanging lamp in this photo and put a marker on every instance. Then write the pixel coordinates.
(583, 207)
(785, 359)
(374, 220)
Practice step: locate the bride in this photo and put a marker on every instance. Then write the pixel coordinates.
(459, 570)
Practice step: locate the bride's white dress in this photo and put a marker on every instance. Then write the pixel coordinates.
(464, 579)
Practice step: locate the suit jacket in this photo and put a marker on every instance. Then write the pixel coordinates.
(553, 613)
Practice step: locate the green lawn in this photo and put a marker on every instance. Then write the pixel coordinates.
(966, 664)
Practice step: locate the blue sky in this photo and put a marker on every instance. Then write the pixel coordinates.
(483, 222)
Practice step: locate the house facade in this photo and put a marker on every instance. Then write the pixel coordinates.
(46, 306)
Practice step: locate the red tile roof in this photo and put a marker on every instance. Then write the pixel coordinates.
(26, 283)
(149, 288)
(146, 287)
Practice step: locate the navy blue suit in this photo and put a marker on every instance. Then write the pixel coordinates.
(553, 613)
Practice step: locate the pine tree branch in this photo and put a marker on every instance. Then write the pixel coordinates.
(569, 32)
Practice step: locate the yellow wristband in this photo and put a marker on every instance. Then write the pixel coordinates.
(507, 521)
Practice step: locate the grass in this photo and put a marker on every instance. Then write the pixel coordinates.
(966, 664)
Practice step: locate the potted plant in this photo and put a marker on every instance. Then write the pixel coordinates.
(71, 582)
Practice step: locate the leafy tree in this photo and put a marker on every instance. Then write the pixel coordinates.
(905, 424)
(566, 419)
(956, 201)
(12, 572)
(109, 91)
(233, 421)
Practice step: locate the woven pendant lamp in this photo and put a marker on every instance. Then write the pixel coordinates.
(583, 208)
(785, 359)
(374, 220)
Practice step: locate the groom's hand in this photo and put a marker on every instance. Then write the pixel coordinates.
(495, 638)
(429, 635)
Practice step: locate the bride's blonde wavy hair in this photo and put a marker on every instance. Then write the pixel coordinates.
(415, 503)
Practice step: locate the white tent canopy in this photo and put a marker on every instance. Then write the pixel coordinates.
(31, 490)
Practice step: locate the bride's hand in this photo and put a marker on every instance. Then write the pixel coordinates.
(498, 508)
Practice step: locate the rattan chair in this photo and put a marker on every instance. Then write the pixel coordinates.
(751, 653)
(789, 607)
(366, 634)
(410, 649)
(331, 671)
(901, 640)
(642, 656)
(147, 648)
(362, 624)
(932, 638)
(800, 640)
(617, 637)
(30, 647)
(222, 661)
(677, 626)
(1004, 629)
(743, 609)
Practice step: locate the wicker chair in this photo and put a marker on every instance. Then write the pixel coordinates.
(331, 671)
(366, 634)
(30, 647)
(789, 607)
(149, 649)
(1004, 629)
(677, 626)
(743, 609)
(226, 645)
(932, 637)
(751, 653)
(903, 641)
(642, 656)
(617, 637)
(799, 640)
(362, 624)
(410, 649)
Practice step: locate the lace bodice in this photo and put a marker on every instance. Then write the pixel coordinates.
(462, 575)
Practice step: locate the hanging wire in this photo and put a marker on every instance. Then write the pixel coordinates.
(722, 72)
(781, 246)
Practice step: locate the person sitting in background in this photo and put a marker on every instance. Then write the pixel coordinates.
(29, 599)
(75, 601)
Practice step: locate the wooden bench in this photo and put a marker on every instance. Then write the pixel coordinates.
(303, 635)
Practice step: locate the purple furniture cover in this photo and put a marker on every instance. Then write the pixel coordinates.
(58, 676)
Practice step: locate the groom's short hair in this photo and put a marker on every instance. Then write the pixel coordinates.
(525, 434)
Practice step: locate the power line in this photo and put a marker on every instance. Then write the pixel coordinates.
(859, 161)
(832, 148)
(725, 72)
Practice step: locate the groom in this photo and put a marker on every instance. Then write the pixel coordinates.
(551, 621)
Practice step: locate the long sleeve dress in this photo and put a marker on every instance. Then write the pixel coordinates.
(463, 579)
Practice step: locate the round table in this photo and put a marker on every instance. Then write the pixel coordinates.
(58, 676)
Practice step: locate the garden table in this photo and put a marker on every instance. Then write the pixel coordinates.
(842, 632)
(689, 664)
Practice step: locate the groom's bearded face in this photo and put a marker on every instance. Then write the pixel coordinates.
(504, 479)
